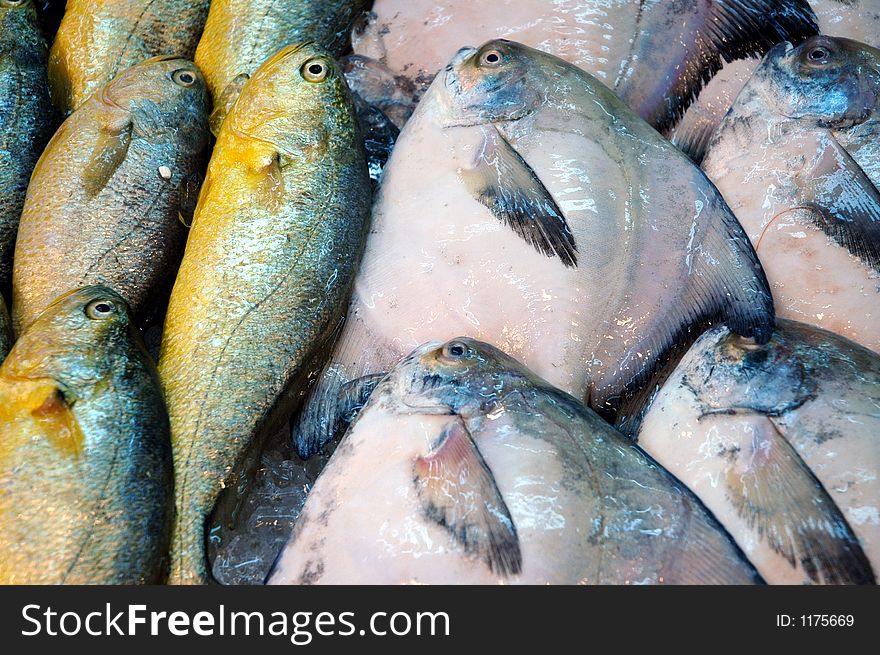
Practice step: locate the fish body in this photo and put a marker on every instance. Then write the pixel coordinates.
(526, 205)
(98, 39)
(782, 443)
(108, 192)
(266, 275)
(239, 34)
(786, 159)
(5, 330)
(655, 55)
(465, 468)
(85, 456)
(27, 118)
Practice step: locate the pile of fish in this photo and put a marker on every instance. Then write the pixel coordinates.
(423, 291)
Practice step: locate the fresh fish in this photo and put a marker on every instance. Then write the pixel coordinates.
(394, 95)
(26, 116)
(109, 195)
(655, 55)
(854, 19)
(782, 443)
(241, 34)
(811, 211)
(98, 39)
(526, 205)
(85, 456)
(5, 331)
(465, 467)
(266, 275)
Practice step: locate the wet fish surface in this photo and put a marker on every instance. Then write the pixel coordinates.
(27, 119)
(526, 205)
(266, 275)
(784, 158)
(655, 55)
(5, 330)
(466, 468)
(111, 192)
(782, 443)
(85, 454)
(98, 39)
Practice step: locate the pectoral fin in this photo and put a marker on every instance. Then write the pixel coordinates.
(188, 197)
(458, 491)
(774, 491)
(226, 101)
(109, 152)
(270, 187)
(503, 181)
(55, 417)
(846, 204)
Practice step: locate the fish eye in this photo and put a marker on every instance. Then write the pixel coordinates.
(455, 350)
(98, 309)
(12, 3)
(491, 58)
(183, 77)
(818, 54)
(314, 70)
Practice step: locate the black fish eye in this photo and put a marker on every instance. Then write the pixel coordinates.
(314, 71)
(491, 58)
(98, 309)
(183, 77)
(454, 350)
(817, 54)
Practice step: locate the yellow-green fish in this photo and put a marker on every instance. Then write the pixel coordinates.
(26, 116)
(276, 238)
(106, 197)
(85, 458)
(99, 38)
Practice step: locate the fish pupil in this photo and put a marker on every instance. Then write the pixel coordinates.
(316, 69)
(818, 54)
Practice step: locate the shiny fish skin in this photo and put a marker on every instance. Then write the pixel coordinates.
(99, 210)
(787, 160)
(266, 275)
(527, 206)
(27, 118)
(85, 453)
(535, 489)
(5, 330)
(240, 34)
(809, 395)
(98, 39)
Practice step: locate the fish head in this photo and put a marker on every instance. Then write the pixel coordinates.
(164, 96)
(462, 376)
(79, 341)
(828, 81)
(298, 101)
(500, 81)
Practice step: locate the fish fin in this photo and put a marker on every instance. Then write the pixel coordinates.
(845, 203)
(504, 182)
(188, 191)
(226, 101)
(693, 140)
(332, 408)
(270, 188)
(56, 418)
(109, 152)
(458, 491)
(775, 493)
(710, 34)
(724, 284)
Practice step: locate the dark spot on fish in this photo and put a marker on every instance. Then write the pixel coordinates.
(312, 572)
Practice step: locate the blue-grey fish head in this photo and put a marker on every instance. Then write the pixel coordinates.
(499, 81)
(829, 81)
(462, 376)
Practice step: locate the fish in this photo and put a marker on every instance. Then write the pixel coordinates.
(266, 275)
(525, 205)
(656, 56)
(5, 330)
(27, 119)
(110, 194)
(85, 452)
(98, 39)
(858, 20)
(240, 34)
(813, 214)
(782, 444)
(377, 85)
(467, 468)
